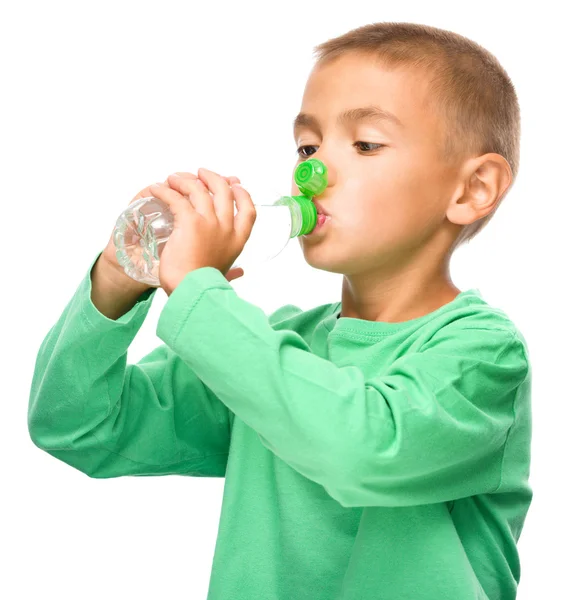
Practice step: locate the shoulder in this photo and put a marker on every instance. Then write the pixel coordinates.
(478, 329)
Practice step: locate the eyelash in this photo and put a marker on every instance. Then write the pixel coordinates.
(377, 146)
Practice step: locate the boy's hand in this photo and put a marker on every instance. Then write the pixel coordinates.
(108, 256)
(206, 233)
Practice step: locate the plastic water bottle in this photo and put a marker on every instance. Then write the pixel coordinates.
(142, 230)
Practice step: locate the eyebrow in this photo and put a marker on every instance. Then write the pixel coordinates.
(353, 115)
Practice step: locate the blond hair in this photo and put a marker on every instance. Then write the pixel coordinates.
(468, 87)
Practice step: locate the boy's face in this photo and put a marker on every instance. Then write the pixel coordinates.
(384, 202)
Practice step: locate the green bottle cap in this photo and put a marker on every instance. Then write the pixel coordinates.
(309, 214)
(311, 177)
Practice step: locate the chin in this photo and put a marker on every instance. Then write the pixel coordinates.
(323, 259)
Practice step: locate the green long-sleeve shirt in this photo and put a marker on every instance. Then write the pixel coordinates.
(363, 460)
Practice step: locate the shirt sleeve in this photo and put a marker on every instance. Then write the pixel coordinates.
(93, 411)
(433, 428)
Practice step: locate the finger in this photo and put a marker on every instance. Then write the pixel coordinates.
(246, 212)
(146, 192)
(234, 273)
(179, 206)
(193, 176)
(203, 201)
(222, 196)
(197, 194)
(180, 174)
(229, 180)
(185, 174)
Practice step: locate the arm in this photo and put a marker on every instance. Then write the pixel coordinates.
(432, 428)
(91, 410)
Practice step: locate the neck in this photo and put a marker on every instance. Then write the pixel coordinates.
(406, 289)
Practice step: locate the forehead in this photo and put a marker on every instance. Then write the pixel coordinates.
(354, 81)
(343, 72)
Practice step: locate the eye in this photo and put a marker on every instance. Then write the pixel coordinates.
(300, 151)
(377, 146)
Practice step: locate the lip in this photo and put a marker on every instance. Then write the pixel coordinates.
(319, 209)
(320, 227)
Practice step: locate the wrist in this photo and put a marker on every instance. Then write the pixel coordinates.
(116, 275)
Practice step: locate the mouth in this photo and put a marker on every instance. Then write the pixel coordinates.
(322, 220)
(319, 209)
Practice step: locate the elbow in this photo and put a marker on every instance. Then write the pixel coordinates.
(36, 431)
(57, 426)
(43, 435)
(59, 442)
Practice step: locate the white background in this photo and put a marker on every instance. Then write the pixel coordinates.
(101, 99)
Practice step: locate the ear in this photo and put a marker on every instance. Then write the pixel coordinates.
(484, 181)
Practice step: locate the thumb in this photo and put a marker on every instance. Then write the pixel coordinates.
(234, 274)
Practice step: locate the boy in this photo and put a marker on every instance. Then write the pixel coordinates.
(372, 448)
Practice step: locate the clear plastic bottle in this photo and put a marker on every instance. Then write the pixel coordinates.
(142, 230)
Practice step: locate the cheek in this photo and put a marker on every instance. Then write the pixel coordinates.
(400, 212)
(397, 198)
(411, 193)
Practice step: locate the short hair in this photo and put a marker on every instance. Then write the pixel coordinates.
(469, 89)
